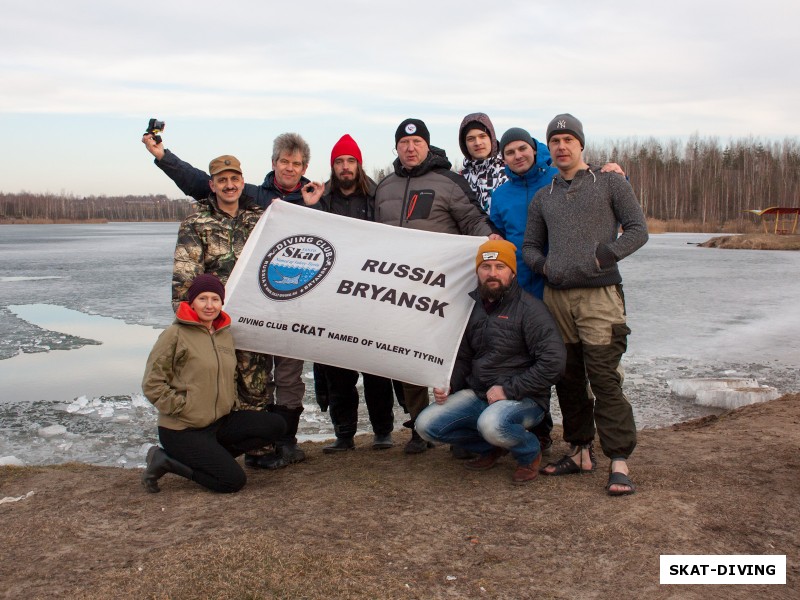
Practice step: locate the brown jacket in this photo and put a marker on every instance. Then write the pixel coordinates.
(191, 372)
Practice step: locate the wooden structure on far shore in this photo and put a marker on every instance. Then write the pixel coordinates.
(779, 219)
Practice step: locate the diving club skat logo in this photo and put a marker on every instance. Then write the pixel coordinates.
(294, 266)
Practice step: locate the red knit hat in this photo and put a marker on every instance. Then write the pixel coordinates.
(346, 145)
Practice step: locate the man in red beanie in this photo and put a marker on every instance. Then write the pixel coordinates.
(350, 193)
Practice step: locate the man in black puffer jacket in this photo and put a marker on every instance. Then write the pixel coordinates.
(423, 193)
(510, 355)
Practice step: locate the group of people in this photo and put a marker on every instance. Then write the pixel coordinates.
(548, 308)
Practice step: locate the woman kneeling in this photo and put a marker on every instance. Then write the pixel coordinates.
(191, 380)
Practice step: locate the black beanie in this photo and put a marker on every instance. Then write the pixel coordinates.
(205, 283)
(412, 127)
(566, 123)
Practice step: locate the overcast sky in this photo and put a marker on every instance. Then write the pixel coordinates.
(81, 78)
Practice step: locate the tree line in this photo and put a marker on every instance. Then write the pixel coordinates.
(27, 207)
(699, 181)
(704, 181)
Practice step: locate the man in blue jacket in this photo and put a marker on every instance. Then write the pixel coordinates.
(528, 169)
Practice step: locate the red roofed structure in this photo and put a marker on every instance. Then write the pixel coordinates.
(779, 218)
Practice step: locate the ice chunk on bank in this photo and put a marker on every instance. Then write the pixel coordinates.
(723, 392)
(139, 401)
(688, 388)
(77, 404)
(11, 461)
(734, 398)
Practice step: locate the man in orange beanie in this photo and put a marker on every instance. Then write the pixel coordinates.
(510, 355)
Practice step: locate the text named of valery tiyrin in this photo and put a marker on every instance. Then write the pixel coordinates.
(324, 332)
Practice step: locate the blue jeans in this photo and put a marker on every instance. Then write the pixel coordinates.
(467, 421)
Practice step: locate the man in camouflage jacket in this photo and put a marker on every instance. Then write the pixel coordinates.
(210, 241)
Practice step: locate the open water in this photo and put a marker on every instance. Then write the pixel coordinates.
(81, 305)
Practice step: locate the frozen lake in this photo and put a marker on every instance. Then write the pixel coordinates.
(80, 306)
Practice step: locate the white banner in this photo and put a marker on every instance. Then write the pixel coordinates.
(339, 291)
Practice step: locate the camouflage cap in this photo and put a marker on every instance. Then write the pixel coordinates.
(226, 162)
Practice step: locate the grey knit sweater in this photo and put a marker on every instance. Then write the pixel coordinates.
(573, 227)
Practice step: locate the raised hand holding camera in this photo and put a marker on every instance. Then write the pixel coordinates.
(154, 128)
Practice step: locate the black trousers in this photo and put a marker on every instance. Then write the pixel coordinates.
(211, 451)
(342, 398)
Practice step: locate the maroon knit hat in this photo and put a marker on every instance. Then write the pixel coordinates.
(346, 145)
(205, 283)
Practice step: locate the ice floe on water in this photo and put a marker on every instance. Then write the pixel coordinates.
(107, 430)
(110, 361)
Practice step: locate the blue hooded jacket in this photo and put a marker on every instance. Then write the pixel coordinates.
(510, 211)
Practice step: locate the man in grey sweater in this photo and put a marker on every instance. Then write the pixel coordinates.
(578, 217)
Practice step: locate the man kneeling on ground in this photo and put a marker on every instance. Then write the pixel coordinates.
(510, 356)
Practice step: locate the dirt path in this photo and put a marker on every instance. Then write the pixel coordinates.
(384, 525)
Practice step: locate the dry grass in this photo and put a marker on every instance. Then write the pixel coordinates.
(383, 525)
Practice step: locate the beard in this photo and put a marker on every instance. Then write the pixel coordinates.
(492, 294)
(346, 184)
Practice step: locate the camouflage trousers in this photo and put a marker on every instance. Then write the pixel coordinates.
(264, 379)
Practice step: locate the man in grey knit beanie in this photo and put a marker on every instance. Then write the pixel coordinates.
(579, 216)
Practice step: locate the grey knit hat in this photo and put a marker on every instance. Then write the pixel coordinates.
(516, 134)
(566, 123)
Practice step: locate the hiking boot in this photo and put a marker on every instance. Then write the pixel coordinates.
(339, 445)
(382, 442)
(527, 473)
(487, 461)
(284, 455)
(416, 445)
(154, 470)
(460, 453)
(291, 453)
(269, 461)
(159, 464)
(254, 460)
